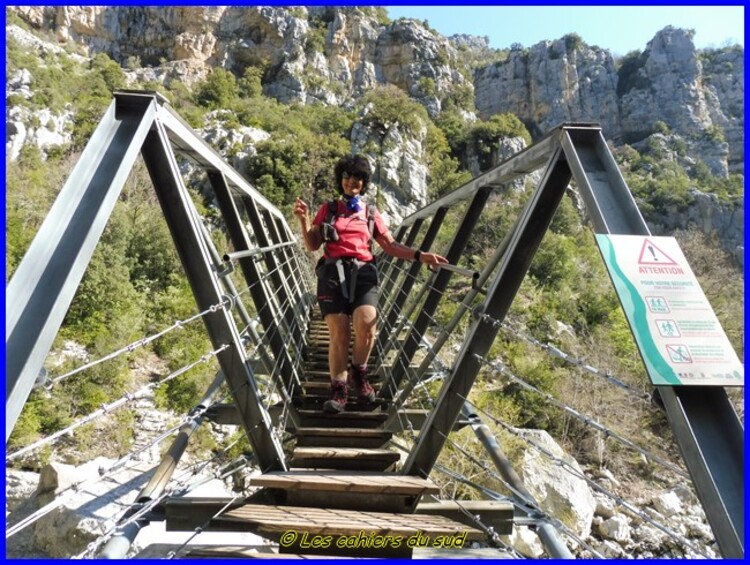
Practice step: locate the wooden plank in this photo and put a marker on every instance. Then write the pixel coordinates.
(339, 432)
(345, 453)
(229, 551)
(321, 384)
(227, 415)
(342, 437)
(343, 458)
(494, 513)
(354, 404)
(364, 416)
(318, 418)
(371, 483)
(329, 521)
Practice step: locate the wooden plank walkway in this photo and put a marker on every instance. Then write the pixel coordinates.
(342, 495)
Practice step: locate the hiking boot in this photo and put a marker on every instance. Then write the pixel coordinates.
(357, 379)
(337, 402)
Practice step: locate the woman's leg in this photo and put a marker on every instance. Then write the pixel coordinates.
(365, 319)
(339, 330)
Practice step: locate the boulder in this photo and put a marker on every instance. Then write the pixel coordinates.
(667, 503)
(559, 492)
(616, 528)
(19, 486)
(525, 541)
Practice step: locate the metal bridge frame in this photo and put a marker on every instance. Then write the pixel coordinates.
(708, 432)
(43, 286)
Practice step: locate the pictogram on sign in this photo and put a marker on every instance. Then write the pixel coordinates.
(652, 255)
(679, 354)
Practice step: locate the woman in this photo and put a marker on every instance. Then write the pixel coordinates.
(347, 275)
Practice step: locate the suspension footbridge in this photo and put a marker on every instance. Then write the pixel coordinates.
(360, 483)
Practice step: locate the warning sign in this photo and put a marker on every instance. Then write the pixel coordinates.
(653, 261)
(652, 255)
(687, 346)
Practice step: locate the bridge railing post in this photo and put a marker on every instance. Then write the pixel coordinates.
(437, 285)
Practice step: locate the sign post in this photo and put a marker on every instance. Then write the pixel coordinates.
(678, 335)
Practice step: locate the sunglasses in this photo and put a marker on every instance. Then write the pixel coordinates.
(355, 176)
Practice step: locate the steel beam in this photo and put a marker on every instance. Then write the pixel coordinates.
(387, 263)
(415, 376)
(119, 544)
(547, 533)
(275, 326)
(529, 160)
(45, 282)
(706, 427)
(394, 309)
(532, 226)
(283, 281)
(435, 294)
(241, 242)
(186, 142)
(181, 217)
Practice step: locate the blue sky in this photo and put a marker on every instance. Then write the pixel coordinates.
(620, 29)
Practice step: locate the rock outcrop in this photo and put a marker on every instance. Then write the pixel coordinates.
(550, 83)
(692, 93)
(327, 55)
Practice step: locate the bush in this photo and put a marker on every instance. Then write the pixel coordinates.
(573, 42)
(388, 106)
(629, 75)
(427, 86)
(251, 83)
(484, 137)
(219, 90)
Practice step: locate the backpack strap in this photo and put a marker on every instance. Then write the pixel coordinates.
(370, 215)
(326, 229)
(333, 208)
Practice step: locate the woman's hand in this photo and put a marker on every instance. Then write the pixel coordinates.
(312, 237)
(432, 259)
(301, 209)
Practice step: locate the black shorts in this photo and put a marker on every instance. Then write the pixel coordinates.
(331, 297)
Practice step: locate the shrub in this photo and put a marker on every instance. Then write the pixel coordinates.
(573, 42)
(219, 90)
(251, 85)
(484, 137)
(427, 86)
(388, 106)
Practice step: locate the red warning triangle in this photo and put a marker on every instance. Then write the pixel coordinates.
(652, 255)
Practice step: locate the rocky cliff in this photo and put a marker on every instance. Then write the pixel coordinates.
(670, 82)
(325, 55)
(334, 55)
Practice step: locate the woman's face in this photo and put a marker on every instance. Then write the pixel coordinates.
(352, 183)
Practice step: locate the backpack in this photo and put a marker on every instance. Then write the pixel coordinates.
(329, 232)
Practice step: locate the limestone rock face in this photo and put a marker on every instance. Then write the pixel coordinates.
(550, 84)
(666, 88)
(670, 82)
(419, 62)
(399, 181)
(335, 55)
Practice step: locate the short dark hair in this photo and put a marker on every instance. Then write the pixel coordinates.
(357, 164)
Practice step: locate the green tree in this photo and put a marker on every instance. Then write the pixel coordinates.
(111, 73)
(484, 137)
(251, 83)
(388, 106)
(219, 90)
